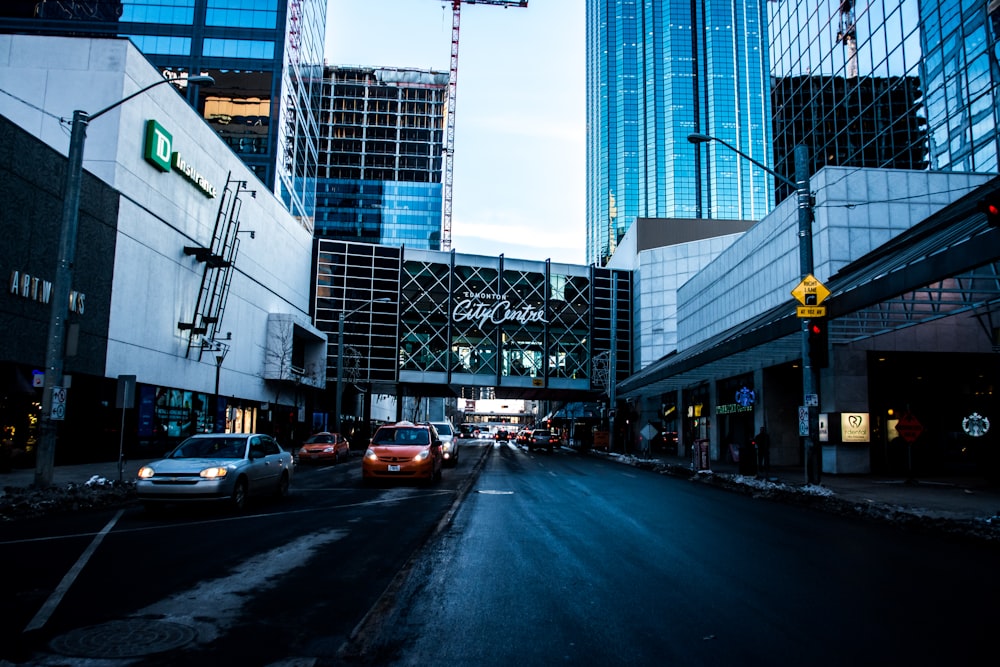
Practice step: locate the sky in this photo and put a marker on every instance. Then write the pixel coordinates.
(519, 169)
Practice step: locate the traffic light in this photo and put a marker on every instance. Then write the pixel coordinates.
(991, 209)
(819, 354)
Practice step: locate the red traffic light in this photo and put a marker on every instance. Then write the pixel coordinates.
(991, 209)
(818, 342)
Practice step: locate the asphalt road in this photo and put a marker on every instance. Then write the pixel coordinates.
(562, 559)
(287, 579)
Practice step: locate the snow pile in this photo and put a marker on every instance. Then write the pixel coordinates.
(97, 492)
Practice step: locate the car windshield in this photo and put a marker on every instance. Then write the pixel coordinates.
(401, 436)
(443, 428)
(320, 438)
(211, 448)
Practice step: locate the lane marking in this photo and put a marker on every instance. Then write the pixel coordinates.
(43, 615)
(380, 501)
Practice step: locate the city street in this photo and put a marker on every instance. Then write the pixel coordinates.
(549, 558)
(201, 586)
(559, 559)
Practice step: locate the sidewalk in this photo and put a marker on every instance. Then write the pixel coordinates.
(946, 498)
(73, 474)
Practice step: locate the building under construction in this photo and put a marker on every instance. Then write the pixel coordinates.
(380, 172)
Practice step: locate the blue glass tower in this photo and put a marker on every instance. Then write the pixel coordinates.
(961, 73)
(266, 57)
(656, 72)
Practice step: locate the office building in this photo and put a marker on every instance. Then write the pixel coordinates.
(961, 72)
(657, 72)
(847, 85)
(266, 57)
(380, 156)
(194, 282)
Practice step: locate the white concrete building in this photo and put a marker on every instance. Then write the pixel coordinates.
(206, 261)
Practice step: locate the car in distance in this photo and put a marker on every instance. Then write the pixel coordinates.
(403, 450)
(449, 442)
(501, 435)
(523, 436)
(217, 467)
(324, 447)
(543, 439)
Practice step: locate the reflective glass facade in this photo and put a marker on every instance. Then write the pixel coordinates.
(847, 84)
(656, 72)
(961, 70)
(266, 57)
(469, 320)
(380, 171)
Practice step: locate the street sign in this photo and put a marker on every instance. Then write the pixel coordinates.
(810, 292)
(812, 400)
(908, 428)
(803, 421)
(809, 312)
(125, 396)
(58, 403)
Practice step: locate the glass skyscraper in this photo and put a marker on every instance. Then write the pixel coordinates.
(961, 71)
(266, 57)
(902, 84)
(380, 154)
(847, 85)
(656, 72)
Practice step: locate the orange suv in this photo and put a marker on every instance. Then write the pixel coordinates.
(403, 450)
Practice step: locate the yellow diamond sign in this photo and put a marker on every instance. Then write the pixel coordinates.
(810, 292)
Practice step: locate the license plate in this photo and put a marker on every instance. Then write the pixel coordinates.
(393, 468)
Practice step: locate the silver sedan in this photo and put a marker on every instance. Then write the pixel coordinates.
(226, 467)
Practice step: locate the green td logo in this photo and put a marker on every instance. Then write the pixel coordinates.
(158, 145)
(160, 153)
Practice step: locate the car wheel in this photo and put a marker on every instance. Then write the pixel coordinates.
(238, 499)
(282, 490)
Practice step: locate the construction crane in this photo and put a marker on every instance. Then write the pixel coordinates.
(449, 137)
(847, 35)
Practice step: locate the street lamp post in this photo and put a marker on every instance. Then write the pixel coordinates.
(220, 356)
(62, 284)
(801, 187)
(340, 358)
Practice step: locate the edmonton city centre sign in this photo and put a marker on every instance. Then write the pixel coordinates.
(486, 308)
(159, 152)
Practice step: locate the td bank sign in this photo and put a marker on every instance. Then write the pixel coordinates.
(159, 152)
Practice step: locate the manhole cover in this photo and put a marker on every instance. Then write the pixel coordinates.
(123, 639)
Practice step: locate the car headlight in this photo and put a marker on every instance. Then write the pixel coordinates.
(214, 473)
(422, 455)
(329, 449)
(145, 472)
(370, 455)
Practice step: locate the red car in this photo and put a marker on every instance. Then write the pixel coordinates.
(325, 447)
(404, 450)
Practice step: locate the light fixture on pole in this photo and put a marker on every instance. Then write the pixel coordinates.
(220, 355)
(340, 357)
(53, 411)
(809, 383)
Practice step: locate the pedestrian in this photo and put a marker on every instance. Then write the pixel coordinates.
(762, 443)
